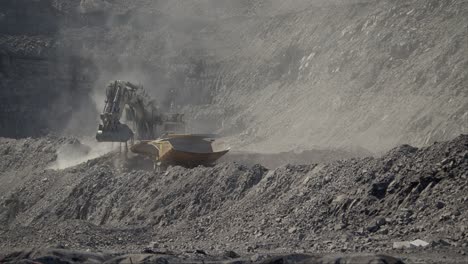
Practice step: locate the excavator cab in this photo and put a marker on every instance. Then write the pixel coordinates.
(173, 124)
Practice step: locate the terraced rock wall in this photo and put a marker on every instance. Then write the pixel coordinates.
(272, 77)
(42, 85)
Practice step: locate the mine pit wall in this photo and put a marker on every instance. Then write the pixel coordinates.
(195, 81)
(39, 95)
(27, 17)
(372, 75)
(41, 86)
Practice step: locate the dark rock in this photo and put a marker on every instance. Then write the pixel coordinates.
(199, 251)
(440, 205)
(373, 228)
(231, 254)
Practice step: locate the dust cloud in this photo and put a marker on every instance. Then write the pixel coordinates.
(75, 153)
(279, 76)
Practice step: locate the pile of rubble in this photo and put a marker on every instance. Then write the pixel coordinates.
(407, 198)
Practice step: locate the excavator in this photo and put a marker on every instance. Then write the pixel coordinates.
(159, 136)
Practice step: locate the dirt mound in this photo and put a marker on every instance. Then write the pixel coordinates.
(275, 160)
(22, 157)
(354, 205)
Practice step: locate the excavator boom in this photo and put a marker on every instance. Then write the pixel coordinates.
(148, 122)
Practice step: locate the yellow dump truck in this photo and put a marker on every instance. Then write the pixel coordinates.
(181, 149)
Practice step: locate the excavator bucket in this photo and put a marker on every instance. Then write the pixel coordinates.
(181, 149)
(122, 133)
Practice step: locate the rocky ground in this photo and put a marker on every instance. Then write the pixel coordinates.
(361, 205)
(339, 77)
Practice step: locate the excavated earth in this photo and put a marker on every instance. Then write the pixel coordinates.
(126, 212)
(314, 85)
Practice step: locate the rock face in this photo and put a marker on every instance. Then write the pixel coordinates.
(94, 6)
(42, 86)
(273, 76)
(364, 74)
(27, 17)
